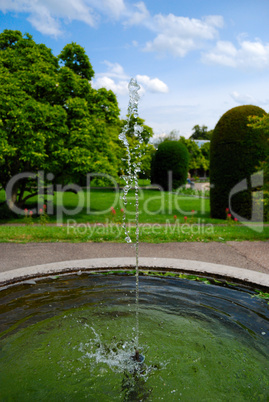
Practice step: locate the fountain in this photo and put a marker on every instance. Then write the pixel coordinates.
(86, 330)
(133, 168)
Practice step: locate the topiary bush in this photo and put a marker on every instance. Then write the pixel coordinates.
(170, 156)
(235, 153)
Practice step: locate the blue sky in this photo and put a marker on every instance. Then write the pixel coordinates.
(194, 59)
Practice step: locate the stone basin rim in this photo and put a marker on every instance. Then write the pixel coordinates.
(226, 272)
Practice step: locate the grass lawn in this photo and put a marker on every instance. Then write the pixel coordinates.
(95, 206)
(114, 233)
(164, 217)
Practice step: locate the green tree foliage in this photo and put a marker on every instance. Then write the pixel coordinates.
(145, 149)
(170, 156)
(51, 118)
(205, 149)
(74, 57)
(201, 133)
(236, 151)
(199, 157)
(147, 132)
(148, 151)
(172, 136)
(104, 105)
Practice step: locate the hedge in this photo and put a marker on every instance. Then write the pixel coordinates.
(171, 156)
(235, 153)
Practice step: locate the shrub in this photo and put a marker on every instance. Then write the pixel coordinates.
(235, 153)
(170, 156)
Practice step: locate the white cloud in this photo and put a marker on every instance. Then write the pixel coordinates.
(117, 80)
(180, 35)
(224, 53)
(152, 84)
(185, 27)
(120, 87)
(116, 7)
(174, 34)
(139, 16)
(112, 8)
(176, 46)
(242, 99)
(47, 16)
(114, 78)
(43, 22)
(114, 70)
(247, 55)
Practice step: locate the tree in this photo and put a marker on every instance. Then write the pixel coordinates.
(104, 105)
(51, 119)
(74, 57)
(142, 151)
(147, 132)
(171, 156)
(201, 133)
(148, 151)
(205, 149)
(199, 158)
(172, 136)
(236, 151)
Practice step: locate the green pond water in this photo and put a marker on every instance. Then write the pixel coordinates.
(71, 338)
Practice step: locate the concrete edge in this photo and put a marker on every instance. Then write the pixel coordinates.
(160, 264)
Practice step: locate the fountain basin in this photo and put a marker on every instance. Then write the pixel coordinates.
(159, 264)
(70, 336)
